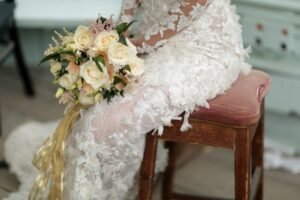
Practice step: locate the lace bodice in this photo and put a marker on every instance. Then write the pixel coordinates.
(161, 19)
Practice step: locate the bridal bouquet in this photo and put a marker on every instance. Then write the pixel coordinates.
(93, 63)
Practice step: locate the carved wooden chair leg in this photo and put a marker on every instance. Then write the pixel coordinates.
(147, 171)
(169, 173)
(258, 153)
(242, 154)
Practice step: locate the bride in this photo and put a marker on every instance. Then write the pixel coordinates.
(193, 52)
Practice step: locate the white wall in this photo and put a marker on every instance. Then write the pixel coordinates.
(37, 19)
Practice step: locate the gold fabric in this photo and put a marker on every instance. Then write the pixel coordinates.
(49, 160)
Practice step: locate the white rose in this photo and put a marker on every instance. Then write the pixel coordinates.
(83, 38)
(131, 46)
(55, 67)
(105, 38)
(93, 76)
(92, 52)
(137, 67)
(67, 81)
(119, 54)
(86, 100)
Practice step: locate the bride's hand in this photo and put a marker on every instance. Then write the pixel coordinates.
(137, 41)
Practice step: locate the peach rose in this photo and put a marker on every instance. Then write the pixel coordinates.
(73, 68)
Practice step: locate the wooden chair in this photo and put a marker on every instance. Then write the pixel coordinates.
(9, 39)
(234, 121)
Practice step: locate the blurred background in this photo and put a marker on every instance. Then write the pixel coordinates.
(271, 27)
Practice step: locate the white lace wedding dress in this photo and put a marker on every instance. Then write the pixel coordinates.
(201, 60)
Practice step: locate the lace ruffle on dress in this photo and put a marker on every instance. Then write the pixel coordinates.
(200, 61)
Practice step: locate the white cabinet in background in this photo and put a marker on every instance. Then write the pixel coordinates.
(272, 28)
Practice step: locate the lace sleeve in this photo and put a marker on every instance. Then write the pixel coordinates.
(128, 10)
(180, 16)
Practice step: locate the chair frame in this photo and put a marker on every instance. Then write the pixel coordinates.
(13, 46)
(246, 142)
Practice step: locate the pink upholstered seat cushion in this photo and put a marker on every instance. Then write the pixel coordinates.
(240, 105)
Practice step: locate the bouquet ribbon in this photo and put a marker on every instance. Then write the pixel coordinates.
(49, 160)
